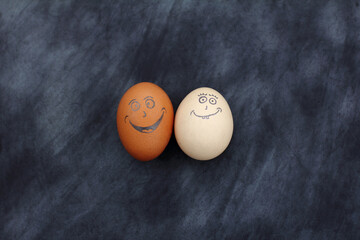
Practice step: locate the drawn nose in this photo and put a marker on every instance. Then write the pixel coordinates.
(206, 107)
(144, 114)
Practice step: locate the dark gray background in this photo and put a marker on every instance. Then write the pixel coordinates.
(289, 70)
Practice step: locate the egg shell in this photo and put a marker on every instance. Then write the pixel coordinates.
(203, 124)
(145, 119)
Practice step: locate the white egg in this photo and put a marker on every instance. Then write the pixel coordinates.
(203, 124)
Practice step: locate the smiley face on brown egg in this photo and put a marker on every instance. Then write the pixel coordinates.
(141, 112)
(145, 119)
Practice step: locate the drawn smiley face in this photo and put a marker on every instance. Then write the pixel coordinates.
(144, 120)
(203, 124)
(208, 106)
(140, 112)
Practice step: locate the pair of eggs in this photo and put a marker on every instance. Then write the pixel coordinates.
(203, 122)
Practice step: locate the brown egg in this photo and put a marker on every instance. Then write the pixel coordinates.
(145, 119)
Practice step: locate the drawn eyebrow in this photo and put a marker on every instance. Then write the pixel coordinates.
(213, 96)
(131, 101)
(148, 97)
(202, 94)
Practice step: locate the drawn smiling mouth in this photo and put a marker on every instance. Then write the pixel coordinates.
(206, 116)
(148, 129)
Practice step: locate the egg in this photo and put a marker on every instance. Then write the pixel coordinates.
(203, 124)
(145, 119)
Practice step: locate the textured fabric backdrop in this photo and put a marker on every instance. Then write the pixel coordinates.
(290, 72)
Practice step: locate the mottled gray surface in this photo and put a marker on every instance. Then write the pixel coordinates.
(290, 72)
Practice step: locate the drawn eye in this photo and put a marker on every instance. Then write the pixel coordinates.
(135, 105)
(202, 99)
(212, 101)
(150, 103)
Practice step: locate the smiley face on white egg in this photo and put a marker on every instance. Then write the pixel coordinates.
(207, 100)
(203, 124)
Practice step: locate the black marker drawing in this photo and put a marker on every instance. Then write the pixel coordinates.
(206, 116)
(148, 129)
(150, 103)
(212, 95)
(212, 101)
(135, 105)
(203, 99)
